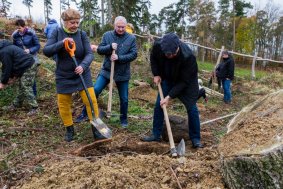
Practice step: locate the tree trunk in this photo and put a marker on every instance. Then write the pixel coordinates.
(252, 150)
(261, 172)
(102, 14)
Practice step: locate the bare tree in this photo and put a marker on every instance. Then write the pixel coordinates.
(28, 3)
(4, 8)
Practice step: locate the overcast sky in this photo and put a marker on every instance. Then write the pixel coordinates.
(17, 8)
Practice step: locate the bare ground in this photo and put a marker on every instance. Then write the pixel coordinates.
(37, 157)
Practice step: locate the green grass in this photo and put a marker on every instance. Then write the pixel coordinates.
(239, 72)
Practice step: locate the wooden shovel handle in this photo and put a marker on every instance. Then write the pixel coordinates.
(109, 106)
(169, 131)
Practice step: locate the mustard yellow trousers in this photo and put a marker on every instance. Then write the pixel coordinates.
(65, 106)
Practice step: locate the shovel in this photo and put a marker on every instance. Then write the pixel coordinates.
(181, 147)
(109, 106)
(97, 123)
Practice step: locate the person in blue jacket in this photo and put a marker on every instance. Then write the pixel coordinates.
(51, 26)
(25, 38)
(125, 48)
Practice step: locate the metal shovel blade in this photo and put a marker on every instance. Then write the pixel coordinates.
(101, 128)
(181, 148)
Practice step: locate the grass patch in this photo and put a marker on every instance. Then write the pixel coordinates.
(239, 72)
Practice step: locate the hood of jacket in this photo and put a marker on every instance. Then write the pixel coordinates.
(5, 43)
(52, 21)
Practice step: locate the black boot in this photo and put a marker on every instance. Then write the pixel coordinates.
(70, 132)
(96, 134)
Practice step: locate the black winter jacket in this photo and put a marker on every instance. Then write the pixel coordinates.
(226, 68)
(15, 61)
(184, 71)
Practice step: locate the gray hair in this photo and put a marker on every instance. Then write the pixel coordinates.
(120, 18)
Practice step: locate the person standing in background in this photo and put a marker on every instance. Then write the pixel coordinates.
(25, 38)
(51, 26)
(225, 72)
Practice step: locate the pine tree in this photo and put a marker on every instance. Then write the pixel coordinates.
(47, 10)
(4, 8)
(28, 3)
(89, 10)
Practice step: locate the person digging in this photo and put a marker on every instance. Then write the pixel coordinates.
(174, 67)
(68, 79)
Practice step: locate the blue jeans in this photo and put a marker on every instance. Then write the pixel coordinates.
(34, 88)
(226, 83)
(192, 111)
(101, 83)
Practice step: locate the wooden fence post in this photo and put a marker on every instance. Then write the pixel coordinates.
(253, 65)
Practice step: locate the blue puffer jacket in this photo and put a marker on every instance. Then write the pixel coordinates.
(27, 40)
(126, 51)
(52, 25)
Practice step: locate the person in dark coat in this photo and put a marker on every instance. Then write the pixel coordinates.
(25, 38)
(51, 26)
(174, 66)
(225, 72)
(18, 66)
(125, 48)
(67, 74)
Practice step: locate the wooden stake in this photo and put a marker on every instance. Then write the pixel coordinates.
(84, 149)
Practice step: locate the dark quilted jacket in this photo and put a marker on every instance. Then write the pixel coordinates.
(126, 51)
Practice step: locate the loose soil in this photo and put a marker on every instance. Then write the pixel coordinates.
(256, 130)
(39, 158)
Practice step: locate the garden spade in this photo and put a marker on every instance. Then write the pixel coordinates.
(97, 123)
(181, 147)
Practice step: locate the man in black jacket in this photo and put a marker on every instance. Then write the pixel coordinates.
(174, 66)
(225, 73)
(18, 65)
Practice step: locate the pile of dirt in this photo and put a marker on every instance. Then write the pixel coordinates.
(257, 127)
(120, 171)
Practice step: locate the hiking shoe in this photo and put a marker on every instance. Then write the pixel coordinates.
(124, 125)
(151, 138)
(70, 133)
(197, 145)
(81, 118)
(33, 111)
